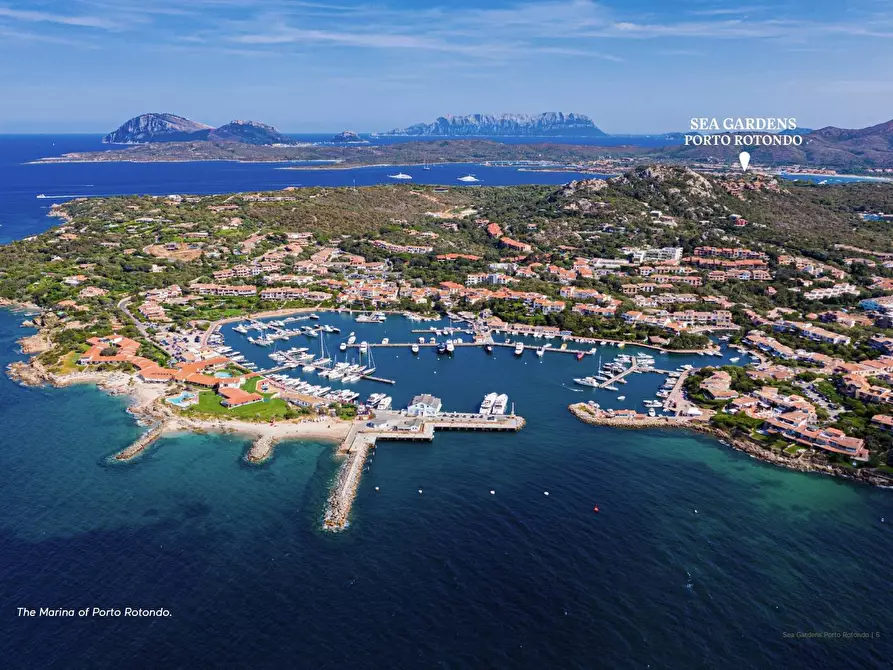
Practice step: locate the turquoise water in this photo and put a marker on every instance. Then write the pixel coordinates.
(183, 399)
(700, 555)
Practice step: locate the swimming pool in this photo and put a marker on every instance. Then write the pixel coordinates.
(185, 399)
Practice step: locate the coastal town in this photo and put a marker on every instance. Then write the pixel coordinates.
(137, 293)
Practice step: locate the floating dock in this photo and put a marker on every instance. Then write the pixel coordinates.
(363, 437)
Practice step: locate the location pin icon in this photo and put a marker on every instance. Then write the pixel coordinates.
(744, 157)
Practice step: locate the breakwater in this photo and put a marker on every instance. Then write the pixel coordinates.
(261, 450)
(629, 419)
(147, 439)
(398, 427)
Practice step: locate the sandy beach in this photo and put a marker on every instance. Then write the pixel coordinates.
(329, 429)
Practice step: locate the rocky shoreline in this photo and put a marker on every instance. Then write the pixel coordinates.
(802, 462)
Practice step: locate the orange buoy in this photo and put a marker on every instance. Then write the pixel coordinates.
(595, 509)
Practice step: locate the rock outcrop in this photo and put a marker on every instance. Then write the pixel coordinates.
(247, 132)
(347, 137)
(157, 127)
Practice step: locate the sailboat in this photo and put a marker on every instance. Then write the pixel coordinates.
(426, 166)
(370, 363)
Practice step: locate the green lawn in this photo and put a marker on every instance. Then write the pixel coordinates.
(250, 386)
(209, 403)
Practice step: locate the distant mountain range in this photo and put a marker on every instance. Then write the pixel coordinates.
(831, 147)
(163, 127)
(548, 124)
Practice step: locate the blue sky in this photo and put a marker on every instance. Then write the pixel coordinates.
(632, 65)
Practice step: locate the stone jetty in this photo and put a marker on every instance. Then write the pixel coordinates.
(142, 443)
(261, 450)
(399, 427)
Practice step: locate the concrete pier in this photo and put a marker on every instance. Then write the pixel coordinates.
(363, 437)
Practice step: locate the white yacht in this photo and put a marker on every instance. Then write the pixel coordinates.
(415, 348)
(364, 347)
(469, 179)
(587, 381)
(519, 348)
(487, 404)
(400, 175)
(500, 404)
(343, 346)
(450, 347)
(351, 339)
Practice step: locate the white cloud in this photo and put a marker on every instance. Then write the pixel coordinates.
(31, 16)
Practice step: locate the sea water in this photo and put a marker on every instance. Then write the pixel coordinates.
(699, 556)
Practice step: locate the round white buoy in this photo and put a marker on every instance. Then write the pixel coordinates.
(492, 493)
(420, 491)
(545, 493)
(696, 511)
(376, 488)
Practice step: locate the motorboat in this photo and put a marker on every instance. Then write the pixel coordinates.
(519, 348)
(587, 381)
(415, 348)
(500, 404)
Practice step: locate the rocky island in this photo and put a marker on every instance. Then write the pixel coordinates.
(547, 124)
(166, 128)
